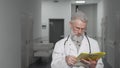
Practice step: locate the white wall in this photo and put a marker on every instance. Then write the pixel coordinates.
(10, 36)
(55, 10)
(37, 19)
(33, 8)
(99, 18)
(100, 26)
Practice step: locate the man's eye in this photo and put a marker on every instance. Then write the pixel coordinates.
(77, 28)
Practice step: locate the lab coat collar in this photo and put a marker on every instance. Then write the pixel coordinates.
(84, 47)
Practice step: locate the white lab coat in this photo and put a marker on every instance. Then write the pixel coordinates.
(61, 50)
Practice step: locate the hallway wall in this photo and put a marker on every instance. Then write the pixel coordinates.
(10, 29)
(30, 17)
(10, 39)
(112, 32)
(37, 18)
(99, 23)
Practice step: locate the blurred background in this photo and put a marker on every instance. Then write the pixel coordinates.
(30, 28)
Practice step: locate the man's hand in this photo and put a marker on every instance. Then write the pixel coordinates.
(71, 60)
(90, 63)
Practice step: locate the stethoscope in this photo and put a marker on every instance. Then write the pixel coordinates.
(87, 40)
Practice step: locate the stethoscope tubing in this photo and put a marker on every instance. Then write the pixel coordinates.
(85, 36)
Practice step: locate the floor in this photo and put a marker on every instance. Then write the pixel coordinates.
(40, 63)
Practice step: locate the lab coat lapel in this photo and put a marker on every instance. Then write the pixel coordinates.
(84, 47)
(71, 47)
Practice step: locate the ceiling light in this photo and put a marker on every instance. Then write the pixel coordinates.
(79, 1)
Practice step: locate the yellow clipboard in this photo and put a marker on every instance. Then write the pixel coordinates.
(92, 56)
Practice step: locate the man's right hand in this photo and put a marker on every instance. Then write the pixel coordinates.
(71, 60)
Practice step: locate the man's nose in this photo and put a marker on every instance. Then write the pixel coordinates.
(80, 31)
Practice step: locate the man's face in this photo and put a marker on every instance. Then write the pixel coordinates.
(78, 27)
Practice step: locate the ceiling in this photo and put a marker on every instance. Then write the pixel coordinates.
(73, 1)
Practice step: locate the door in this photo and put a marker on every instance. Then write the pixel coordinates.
(56, 30)
(26, 30)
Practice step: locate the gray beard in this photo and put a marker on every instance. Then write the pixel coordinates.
(76, 38)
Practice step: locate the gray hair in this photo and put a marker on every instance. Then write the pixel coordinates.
(79, 15)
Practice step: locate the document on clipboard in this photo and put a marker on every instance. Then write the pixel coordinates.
(93, 56)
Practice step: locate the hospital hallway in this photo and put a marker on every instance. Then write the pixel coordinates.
(29, 30)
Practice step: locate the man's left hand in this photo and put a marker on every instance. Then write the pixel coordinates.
(90, 63)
